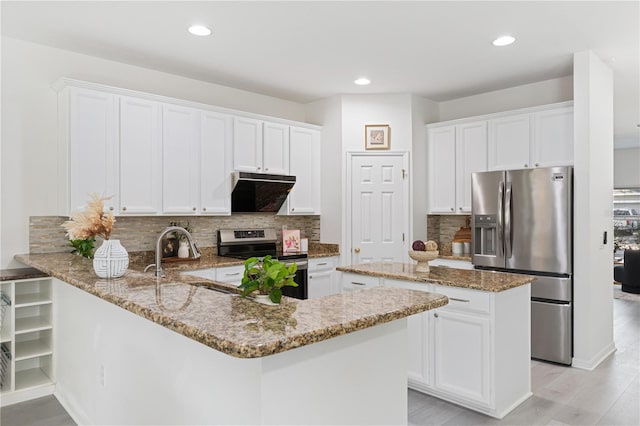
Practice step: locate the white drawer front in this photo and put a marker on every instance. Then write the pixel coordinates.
(322, 263)
(409, 285)
(230, 274)
(462, 299)
(352, 282)
(209, 274)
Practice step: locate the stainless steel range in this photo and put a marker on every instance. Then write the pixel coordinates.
(260, 242)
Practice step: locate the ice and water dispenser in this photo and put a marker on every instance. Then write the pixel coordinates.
(485, 237)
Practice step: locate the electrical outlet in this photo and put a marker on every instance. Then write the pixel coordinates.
(101, 376)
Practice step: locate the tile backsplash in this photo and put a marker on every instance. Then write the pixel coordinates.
(442, 229)
(140, 233)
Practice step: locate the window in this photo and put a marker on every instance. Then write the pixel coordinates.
(626, 220)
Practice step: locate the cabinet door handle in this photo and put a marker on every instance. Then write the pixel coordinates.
(435, 315)
(230, 275)
(321, 264)
(356, 283)
(455, 299)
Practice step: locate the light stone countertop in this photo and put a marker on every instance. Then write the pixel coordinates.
(464, 278)
(226, 322)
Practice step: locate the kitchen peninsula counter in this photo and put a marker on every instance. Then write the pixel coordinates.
(139, 350)
(230, 324)
(464, 278)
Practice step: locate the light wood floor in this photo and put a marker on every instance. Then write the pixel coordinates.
(609, 395)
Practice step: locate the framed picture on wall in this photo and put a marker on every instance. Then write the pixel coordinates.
(376, 136)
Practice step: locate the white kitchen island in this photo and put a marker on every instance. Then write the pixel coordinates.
(476, 350)
(138, 350)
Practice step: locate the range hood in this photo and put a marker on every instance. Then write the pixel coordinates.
(259, 192)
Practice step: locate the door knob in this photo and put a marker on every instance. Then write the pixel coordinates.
(357, 249)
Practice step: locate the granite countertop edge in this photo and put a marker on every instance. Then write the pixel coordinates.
(236, 348)
(489, 281)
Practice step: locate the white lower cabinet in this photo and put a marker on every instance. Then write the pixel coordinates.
(322, 277)
(461, 364)
(230, 274)
(26, 340)
(475, 351)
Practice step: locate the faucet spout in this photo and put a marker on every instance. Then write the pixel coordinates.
(192, 244)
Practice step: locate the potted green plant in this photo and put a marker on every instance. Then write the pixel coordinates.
(267, 276)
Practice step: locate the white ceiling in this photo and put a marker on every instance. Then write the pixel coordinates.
(303, 51)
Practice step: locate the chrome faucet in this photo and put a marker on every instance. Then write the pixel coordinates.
(170, 229)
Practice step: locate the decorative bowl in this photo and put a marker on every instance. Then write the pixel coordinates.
(423, 258)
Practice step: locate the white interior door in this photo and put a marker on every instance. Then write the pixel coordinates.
(379, 208)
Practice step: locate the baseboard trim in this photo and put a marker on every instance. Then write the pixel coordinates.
(592, 364)
(76, 414)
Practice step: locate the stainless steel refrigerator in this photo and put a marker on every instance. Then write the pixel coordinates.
(522, 221)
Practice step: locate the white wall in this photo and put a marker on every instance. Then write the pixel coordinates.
(29, 125)
(626, 168)
(423, 111)
(528, 95)
(328, 113)
(593, 201)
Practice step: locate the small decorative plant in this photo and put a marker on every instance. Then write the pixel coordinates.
(84, 247)
(179, 235)
(91, 223)
(267, 276)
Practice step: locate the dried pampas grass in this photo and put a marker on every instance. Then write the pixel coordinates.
(92, 222)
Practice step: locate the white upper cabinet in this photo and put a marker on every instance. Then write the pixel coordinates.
(260, 146)
(509, 146)
(541, 138)
(93, 149)
(442, 169)
(275, 148)
(552, 135)
(215, 163)
(140, 156)
(180, 154)
(247, 145)
(471, 156)
(454, 153)
(304, 150)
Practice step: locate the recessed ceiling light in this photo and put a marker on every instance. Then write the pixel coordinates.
(504, 40)
(362, 81)
(199, 30)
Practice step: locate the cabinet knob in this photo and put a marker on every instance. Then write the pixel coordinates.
(435, 315)
(194, 209)
(266, 169)
(537, 164)
(204, 209)
(460, 208)
(357, 249)
(452, 209)
(258, 168)
(111, 208)
(310, 277)
(124, 209)
(293, 209)
(526, 165)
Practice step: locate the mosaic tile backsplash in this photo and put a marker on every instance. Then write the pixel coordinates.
(140, 233)
(442, 229)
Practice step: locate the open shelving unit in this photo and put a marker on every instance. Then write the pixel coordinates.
(27, 339)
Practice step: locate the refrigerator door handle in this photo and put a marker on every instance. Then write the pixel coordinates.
(507, 221)
(500, 220)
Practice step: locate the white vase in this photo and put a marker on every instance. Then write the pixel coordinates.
(183, 249)
(111, 260)
(264, 299)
